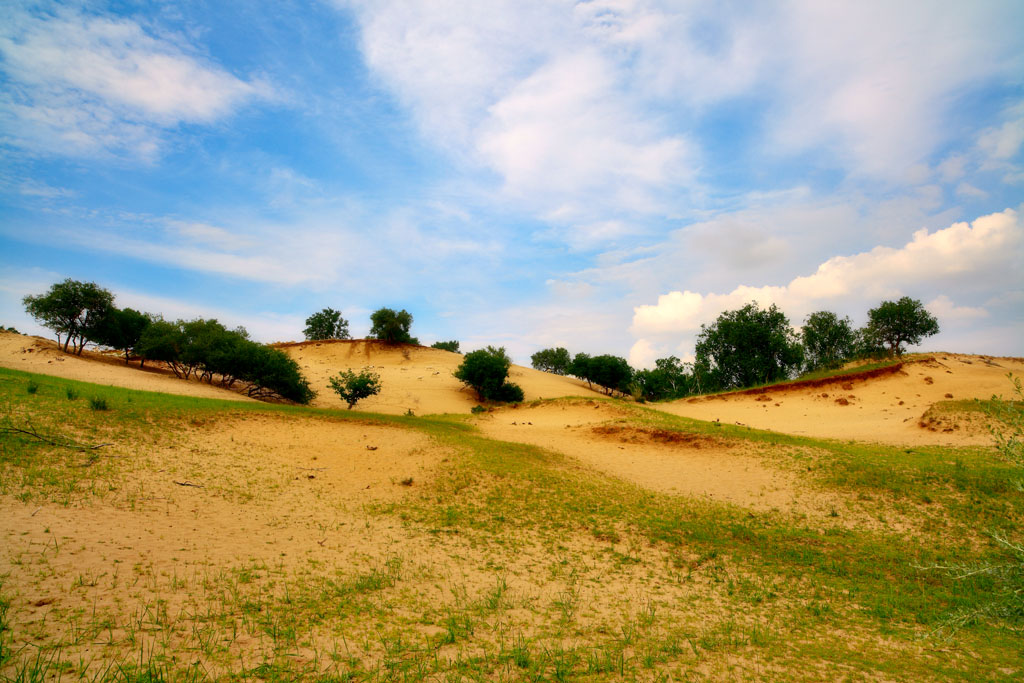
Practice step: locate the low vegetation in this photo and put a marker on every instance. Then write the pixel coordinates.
(486, 372)
(503, 562)
(353, 386)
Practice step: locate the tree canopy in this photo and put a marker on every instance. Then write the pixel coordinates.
(555, 360)
(746, 347)
(353, 387)
(71, 309)
(452, 346)
(896, 323)
(486, 371)
(828, 340)
(392, 326)
(120, 328)
(326, 324)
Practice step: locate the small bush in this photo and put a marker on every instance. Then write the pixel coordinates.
(71, 394)
(486, 371)
(32, 386)
(452, 346)
(477, 409)
(97, 403)
(352, 386)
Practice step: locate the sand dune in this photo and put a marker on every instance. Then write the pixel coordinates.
(888, 409)
(903, 406)
(413, 378)
(43, 356)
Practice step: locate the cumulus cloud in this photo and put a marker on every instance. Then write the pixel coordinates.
(963, 259)
(83, 83)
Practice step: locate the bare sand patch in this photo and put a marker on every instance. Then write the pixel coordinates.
(891, 408)
(413, 378)
(43, 356)
(684, 464)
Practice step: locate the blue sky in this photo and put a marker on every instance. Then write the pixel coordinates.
(605, 176)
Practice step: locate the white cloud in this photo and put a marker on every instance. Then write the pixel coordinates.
(564, 131)
(541, 93)
(961, 260)
(1003, 142)
(83, 83)
(943, 308)
(876, 81)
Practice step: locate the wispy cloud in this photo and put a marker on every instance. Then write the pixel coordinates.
(81, 83)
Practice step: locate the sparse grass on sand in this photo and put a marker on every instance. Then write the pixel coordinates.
(157, 540)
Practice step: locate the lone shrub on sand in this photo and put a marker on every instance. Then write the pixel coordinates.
(486, 371)
(352, 386)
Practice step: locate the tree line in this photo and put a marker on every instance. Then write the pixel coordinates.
(81, 312)
(752, 346)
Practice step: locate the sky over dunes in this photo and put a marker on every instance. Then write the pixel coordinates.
(605, 176)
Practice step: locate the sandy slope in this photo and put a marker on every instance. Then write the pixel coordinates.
(690, 465)
(35, 354)
(886, 409)
(412, 377)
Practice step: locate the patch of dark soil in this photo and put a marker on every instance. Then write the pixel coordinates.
(655, 435)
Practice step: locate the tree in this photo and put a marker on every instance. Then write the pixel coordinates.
(828, 340)
(486, 371)
(452, 346)
(162, 341)
(611, 372)
(326, 324)
(352, 386)
(895, 323)
(746, 347)
(70, 308)
(667, 380)
(580, 368)
(555, 360)
(273, 373)
(391, 326)
(120, 328)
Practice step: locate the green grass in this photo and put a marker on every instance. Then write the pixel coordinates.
(705, 587)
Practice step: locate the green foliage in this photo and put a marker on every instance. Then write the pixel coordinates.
(867, 345)
(828, 340)
(326, 324)
(352, 386)
(610, 372)
(161, 341)
(120, 329)
(486, 371)
(98, 403)
(273, 373)
(896, 323)
(70, 308)
(580, 367)
(555, 360)
(747, 347)
(392, 326)
(208, 350)
(452, 346)
(669, 379)
(1006, 577)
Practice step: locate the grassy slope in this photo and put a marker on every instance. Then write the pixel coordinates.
(565, 574)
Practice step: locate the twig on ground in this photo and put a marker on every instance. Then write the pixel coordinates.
(188, 483)
(34, 433)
